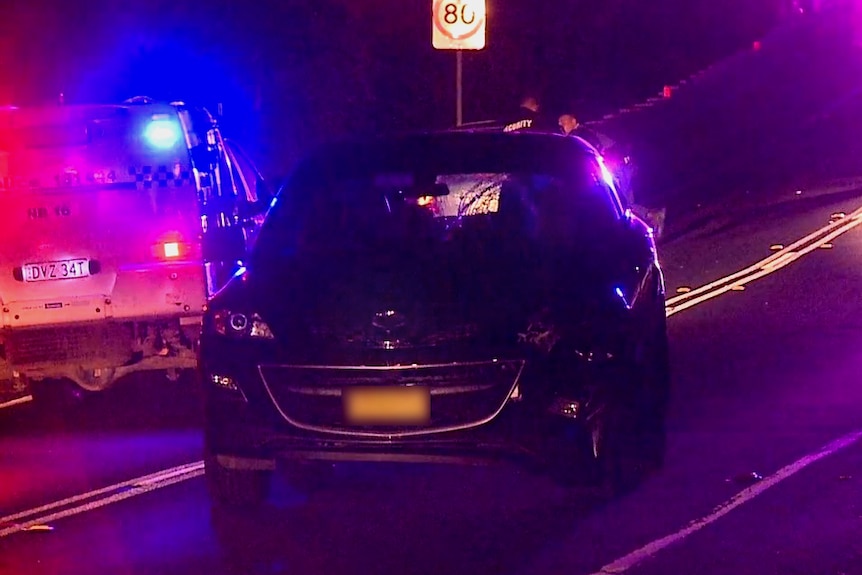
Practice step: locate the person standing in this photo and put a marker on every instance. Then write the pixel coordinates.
(570, 126)
(528, 118)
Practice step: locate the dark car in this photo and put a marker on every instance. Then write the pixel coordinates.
(453, 296)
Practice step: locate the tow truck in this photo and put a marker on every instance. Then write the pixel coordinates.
(117, 222)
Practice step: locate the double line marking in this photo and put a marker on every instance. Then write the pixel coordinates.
(766, 266)
(40, 516)
(32, 518)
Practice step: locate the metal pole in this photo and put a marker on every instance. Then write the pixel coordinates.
(459, 98)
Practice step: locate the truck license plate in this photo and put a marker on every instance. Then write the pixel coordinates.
(57, 270)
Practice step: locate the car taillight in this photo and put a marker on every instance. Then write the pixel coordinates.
(173, 248)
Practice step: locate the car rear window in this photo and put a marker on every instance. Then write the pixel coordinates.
(434, 193)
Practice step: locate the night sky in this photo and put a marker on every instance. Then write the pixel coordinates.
(291, 72)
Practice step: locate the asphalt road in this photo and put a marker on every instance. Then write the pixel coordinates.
(763, 378)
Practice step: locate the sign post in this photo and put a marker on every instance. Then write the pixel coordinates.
(459, 90)
(458, 25)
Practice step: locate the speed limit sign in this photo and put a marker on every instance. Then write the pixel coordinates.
(458, 24)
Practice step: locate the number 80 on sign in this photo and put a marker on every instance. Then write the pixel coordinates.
(458, 24)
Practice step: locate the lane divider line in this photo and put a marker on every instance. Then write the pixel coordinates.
(792, 247)
(171, 473)
(92, 505)
(766, 266)
(782, 261)
(19, 521)
(633, 559)
(124, 490)
(16, 401)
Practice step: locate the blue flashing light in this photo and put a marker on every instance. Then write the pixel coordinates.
(163, 134)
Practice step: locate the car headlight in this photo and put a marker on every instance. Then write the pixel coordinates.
(239, 324)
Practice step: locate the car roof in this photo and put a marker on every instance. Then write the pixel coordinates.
(482, 134)
(46, 115)
(458, 141)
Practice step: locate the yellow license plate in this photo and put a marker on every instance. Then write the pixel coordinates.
(387, 405)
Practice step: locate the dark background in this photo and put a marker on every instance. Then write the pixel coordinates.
(292, 72)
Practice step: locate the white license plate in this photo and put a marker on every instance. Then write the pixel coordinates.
(59, 270)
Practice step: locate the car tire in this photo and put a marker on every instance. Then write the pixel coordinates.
(606, 459)
(628, 437)
(607, 463)
(236, 487)
(656, 393)
(618, 460)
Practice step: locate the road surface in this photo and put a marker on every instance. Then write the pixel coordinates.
(764, 378)
(764, 463)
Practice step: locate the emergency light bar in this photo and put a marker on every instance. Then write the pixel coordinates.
(162, 134)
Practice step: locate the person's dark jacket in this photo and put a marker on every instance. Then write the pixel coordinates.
(599, 141)
(529, 121)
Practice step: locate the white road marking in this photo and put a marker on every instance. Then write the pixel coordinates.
(769, 265)
(766, 261)
(90, 506)
(17, 401)
(98, 498)
(124, 490)
(782, 261)
(649, 550)
(766, 266)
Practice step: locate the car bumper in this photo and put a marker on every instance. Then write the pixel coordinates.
(534, 426)
(551, 445)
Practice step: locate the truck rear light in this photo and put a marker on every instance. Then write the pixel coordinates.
(175, 251)
(171, 250)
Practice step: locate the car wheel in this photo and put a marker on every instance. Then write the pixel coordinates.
(608, 461)
(236, 487)
(618, 463)
(629, 435)
(656, 393)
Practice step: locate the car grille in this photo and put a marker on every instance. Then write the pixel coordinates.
(462, 395)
